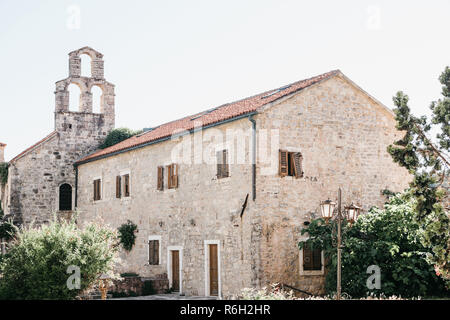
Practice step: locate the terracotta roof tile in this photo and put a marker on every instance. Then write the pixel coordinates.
(211, 116)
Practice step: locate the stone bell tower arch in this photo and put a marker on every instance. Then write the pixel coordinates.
(107, 112)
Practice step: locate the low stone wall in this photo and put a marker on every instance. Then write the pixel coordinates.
(135, 285)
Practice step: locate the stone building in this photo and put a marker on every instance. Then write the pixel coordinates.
(41, 179)
(220, 197)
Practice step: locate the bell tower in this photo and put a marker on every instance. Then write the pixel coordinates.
(84, 117)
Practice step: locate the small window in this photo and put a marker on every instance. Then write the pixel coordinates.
(290, 164)
(223, 169)
(118, 187)
(172, 176)
(97, 189)
(153, 252)
(126, 185)
(312, 258)
(160, 182)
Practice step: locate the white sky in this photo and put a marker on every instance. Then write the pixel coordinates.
(174, 58)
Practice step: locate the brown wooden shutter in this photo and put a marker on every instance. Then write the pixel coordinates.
(225, 165)
(169, 176)
(219, 159)
(156, 252)
(126, 185)
(297, 164)
(307, 257)
(95, 190)
(174, 175)
(160, 184)
(118, 187)
(317, 259)
(283, 163)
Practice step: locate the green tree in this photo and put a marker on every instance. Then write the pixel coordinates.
(118, 135)
(36, 264)
(428, 160)
(388, 238)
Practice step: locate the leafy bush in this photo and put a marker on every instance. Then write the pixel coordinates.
(127, 235)
(35, 267)
(7, 230)
(118, 135)
(388, 238)
(274, 293)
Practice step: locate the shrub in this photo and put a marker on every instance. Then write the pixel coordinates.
(127, 235)
(35, 267)
(388, 238)
(7, 230)
(118, 135)
(148, 289)
(274, 293)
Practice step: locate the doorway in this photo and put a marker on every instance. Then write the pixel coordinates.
(175, 268)
(212, 268)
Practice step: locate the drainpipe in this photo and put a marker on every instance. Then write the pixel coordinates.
(250, 118)
(76, 186)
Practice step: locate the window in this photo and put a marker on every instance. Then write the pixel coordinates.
(118, 186)
(312, 258)
(290, 164)
(123, 185)
(172, 176)
(126, 185)
(153, 251)
(223, 170)
(97, 189)
(65, 197)
(160, 183)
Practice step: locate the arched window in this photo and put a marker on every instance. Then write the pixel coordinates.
(97, 96)
(86, 65)
(65, 197)
(74, 97)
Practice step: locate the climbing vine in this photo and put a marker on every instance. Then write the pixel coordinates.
(127, 235)
(3, 172)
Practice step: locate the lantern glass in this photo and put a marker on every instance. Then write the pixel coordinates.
(352, 212)
(327, 208)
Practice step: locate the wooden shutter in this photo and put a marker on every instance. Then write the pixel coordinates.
(317, 259)
(296, 161)
(97, 190)
(219, 159)
(169, 176)
(225, 165)
(153, 252)
(174, 175)
(118, 187)
(126, 185)
(160, 184)
(283, 163)
(307, 257)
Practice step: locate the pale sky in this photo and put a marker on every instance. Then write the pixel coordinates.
(169, 59)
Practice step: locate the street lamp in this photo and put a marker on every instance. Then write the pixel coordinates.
(327, 209)
(353, 212)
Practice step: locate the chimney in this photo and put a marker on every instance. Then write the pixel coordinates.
(2, 152)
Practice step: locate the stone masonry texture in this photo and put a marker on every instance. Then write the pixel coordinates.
(342, 134)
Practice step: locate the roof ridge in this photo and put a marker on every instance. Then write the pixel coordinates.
(221, 113)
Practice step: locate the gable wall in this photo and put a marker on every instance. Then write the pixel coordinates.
(342, 135)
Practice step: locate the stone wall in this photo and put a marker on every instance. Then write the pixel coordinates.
(342, 134)
(36, 175)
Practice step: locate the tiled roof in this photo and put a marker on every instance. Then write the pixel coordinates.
(211, 116)
(34, 146)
